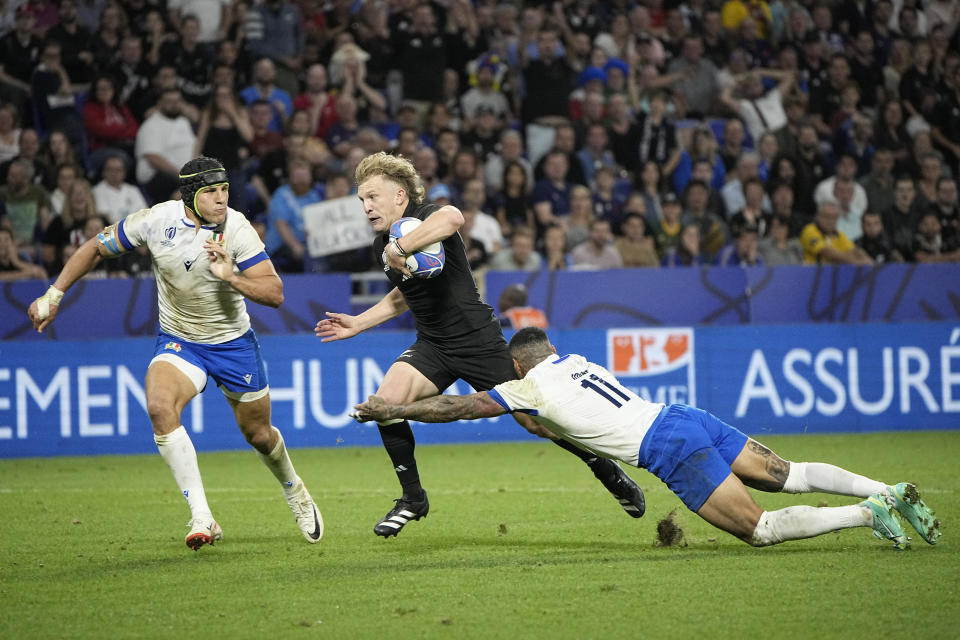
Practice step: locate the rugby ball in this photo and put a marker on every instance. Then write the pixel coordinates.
(428, 261)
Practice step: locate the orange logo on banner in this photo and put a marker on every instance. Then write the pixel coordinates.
(648, 351)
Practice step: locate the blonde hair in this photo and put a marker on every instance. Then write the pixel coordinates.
(67, 213)
(394, 168)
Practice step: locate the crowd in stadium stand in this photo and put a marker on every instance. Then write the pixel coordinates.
(572, 134)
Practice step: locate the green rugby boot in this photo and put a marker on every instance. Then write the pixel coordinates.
(917, 513)
(886, 523)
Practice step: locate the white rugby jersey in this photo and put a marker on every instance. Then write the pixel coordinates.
(582, 402)
(194, 304)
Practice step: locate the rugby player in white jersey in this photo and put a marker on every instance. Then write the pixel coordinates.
(703, 460)
(207, 259)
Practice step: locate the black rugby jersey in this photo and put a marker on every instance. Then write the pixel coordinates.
(447, 309)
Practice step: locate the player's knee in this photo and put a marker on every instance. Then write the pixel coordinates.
(258, 438)
(162, 413)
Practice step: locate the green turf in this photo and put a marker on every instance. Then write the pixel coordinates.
(521, 542)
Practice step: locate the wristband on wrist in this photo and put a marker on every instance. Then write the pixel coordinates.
(398, 249)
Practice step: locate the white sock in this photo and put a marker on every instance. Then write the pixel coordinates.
(177, 451)
(278, 461)
(826, 478)
(802, 521)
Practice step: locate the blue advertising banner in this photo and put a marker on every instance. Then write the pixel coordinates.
(87, 397)
(128, 307)
(734, 295)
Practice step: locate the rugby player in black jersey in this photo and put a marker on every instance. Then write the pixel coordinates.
(458, 335)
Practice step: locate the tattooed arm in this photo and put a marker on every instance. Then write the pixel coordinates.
(435, 409)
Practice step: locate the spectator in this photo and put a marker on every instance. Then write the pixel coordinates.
(699, 88)
(27, 205)
(946, 119)
(667, 229)
(597, 252)
(595, 153)
(761, 110)
(651, 188)
(581, 216)
(850, 214)
(946, 206)
(768, 149)
(263, 88)
(931, 245)
(514, 312)
(9, 132)
(485, 92)
(547, 83)
(555, 254)
(900, 221)
(477, 254)
(224, 133)
(756, 208)
(686, 252)
(511, 204)
(29, 147)
(732, 192)
(349, 62)
(781, 205)
(564, 141)
(845, 170)
(75, 39)
(794, 106)
(110, 125)
(484, 227)
(265, 140)
(742, 251)
(192, 62)
(734, 12)
(733, 142)
(421, 55)
(19, 56)
(12, 267)
(823, 243)
(66, 231)
(931, 170)
(874, 240)
(510, 151)
(54, 94)
(918, 86)
(635, 246)
(878, 183)
(609, 195)
(552, 194)
(214, 18)
(318, 102)
(519, 256)
(812, 167)
(66, 173)
(165, 142)
(286, 241)
(713, 231)
(703, 146)
(778, 247)
(115, 198)
(281, 41)
(484, 136)
(825, 99)
(657, 136)
(133, 76)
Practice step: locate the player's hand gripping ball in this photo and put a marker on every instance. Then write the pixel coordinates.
(428, 261)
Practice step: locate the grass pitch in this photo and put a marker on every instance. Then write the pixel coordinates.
(521, 542)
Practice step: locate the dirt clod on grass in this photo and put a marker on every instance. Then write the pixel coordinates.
(669, 533)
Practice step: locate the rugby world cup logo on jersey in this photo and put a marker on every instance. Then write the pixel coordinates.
(656, 363)
(168, 235)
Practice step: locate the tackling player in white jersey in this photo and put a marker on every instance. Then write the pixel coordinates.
(705, 461)
(207, 259)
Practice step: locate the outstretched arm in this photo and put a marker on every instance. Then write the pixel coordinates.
(340, 326)
(43, 310)
(436, 409)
